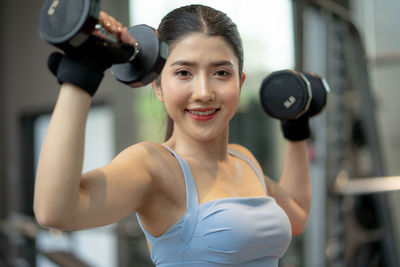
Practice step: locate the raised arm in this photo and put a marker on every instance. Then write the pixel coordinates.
(63, 197)
(60, 163)
(293, 98)
(293, 191)
(66, 199)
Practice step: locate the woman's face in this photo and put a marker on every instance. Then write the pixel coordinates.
(200, 86)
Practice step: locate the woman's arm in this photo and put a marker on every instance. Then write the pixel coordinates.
(60, 163)
(63, 197)
(293, 191)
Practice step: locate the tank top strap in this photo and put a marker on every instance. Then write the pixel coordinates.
(192, 200)
(239, 154)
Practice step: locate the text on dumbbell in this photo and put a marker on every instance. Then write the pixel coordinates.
(53, 7)
(288, 103)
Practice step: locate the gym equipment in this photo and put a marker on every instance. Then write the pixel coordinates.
(148, 62)
(346, 186)
(73, 26)
(287, 94)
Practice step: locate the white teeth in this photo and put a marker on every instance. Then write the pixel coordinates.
(200, 113)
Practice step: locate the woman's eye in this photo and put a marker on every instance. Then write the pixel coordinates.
(223, 73)
(182, 73)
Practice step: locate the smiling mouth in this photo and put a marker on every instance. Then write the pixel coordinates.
(203, 114)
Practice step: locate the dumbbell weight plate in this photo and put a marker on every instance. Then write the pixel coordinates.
(320, 90)
(148, 62)
(68, 23)
(285, 95)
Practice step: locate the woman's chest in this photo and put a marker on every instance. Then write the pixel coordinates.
(235, 180)
(241, 229)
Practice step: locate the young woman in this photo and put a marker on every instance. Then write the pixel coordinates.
(200, 200)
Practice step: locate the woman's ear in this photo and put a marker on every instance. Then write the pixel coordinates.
(157, 90)
(243, 79)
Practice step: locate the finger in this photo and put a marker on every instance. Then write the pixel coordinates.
(126, 37)
(103, 18)
(109, 23)
(119, 27)
(112, 27)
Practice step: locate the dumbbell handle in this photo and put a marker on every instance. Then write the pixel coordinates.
(320, 90)
(309, 99)
(71, 25)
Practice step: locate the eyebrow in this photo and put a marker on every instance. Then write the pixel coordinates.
(183, 63)
(191, 64)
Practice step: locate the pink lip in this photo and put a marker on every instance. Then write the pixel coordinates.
(202, 117)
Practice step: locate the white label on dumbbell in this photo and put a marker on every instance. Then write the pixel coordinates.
(288, 103)
(52, 8)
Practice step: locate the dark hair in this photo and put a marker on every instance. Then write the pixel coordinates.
(186, 20)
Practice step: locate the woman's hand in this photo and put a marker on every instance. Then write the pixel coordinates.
(116, 27)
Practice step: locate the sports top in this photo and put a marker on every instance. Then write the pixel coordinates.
(234, 231)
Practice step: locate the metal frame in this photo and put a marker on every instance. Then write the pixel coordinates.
(354, 53)
(361, 186)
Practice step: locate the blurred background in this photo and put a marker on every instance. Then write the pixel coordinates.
(354, 151)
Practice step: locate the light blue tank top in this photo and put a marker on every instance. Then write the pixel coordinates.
(236, 231)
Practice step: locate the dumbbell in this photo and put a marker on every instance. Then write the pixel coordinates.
(287, 94)
(72, 25)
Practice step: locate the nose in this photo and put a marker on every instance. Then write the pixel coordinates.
(203, 91)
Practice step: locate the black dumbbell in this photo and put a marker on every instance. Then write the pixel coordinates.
(287, 94)
(70, 25)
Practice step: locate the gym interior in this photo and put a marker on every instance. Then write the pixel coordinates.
(354, 151)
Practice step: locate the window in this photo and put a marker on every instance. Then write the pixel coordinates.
(102, 241)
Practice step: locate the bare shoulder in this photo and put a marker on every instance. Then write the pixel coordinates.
(142, 155)
(140, 150)
(268, 181)
(135, 167)
(164, 200)
(156, 160)
(245, 151)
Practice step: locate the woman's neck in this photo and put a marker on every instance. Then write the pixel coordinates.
(215, 149)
